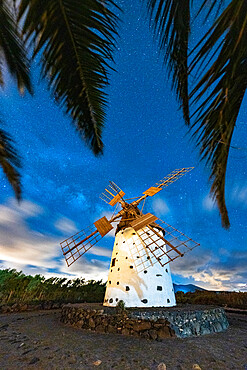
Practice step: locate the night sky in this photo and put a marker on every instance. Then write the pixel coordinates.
(145, 138)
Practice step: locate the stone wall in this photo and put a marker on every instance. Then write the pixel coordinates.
(190, 323)
(155, 324)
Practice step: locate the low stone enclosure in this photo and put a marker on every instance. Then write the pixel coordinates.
(153, 323)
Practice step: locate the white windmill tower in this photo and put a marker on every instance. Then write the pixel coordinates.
(144, 245)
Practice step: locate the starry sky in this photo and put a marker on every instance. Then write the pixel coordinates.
(145, 138)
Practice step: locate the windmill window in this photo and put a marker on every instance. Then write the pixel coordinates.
(116, 243)
(116, 299)
(133, 243)
(124, 241)
(137, 257)
(111, 270)
(126, 258)
(106, 300)
(131, 267)
(145, 271)
(144, 301)
(113, 262)
(168, 300)
(116, 253)
(133, 233)
(117, 282)
(148, 258)
(158, 275)
(127, 288)
(118, 269)
(159, 287)
(110, 300)
(166, 270)
(110, 282)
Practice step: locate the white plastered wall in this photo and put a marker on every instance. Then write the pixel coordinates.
(135, 276)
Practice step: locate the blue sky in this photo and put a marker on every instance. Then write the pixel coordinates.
(145, 138)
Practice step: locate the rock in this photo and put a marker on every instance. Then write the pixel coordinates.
(153, 334)
(100, 328)
(112, 329)
(196, 367)
(34, 360)
(125, 331)
(72, 359)
(97, 363)
(163, 332)
(161, 366)
(144, 325)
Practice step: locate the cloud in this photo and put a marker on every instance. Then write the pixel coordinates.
(160, 207)
(66, 226)
(33, 252)
(208, 204)
(19, 244)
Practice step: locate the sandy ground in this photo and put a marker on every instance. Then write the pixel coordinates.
(38, 340)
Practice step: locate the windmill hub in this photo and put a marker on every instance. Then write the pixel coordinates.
(144, 246)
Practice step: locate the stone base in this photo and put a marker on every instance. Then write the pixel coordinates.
(155, 324)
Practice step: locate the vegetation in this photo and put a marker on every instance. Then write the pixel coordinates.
(16, 287)
(75, 41)
(226, 299)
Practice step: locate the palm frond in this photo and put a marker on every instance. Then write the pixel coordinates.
(226, 79)
(170, 20)
(9, 161)
(12, 49)
(76, 39)
(209, 6)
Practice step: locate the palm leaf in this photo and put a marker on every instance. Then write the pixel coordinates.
(12, 50)
(76, 39)
(170, 20)
(10, 162)
(226, 79)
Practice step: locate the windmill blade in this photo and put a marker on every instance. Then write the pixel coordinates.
(112, 194)
(163, 243)
(167, 180)
(78, 244)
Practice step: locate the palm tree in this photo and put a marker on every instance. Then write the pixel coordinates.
(76, 40)
(221, 62)
(12, 54)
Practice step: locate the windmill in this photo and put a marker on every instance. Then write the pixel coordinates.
(144, 246)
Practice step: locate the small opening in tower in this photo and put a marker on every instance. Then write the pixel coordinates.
(127, 288)
(158, 275)
(123, 241)
(116, 299)
(168, 300)
(144, 301)
(111, 270)
(116, 243)
(118, 269)
(110, 300)
(137, 257)
(133, 233)
(145, 271)
(117, 282)
(133, 243)
(110, 282)
(116, 253)
(113, 262)
(166, 270)
(159, 287)
(148, 257)
(131, 267)
(126, 258)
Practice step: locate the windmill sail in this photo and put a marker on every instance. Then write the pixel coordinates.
(162, 243)
(78, 244)
(112, 194)
(167, 180)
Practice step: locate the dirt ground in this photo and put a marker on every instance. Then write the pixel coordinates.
(38, 340)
